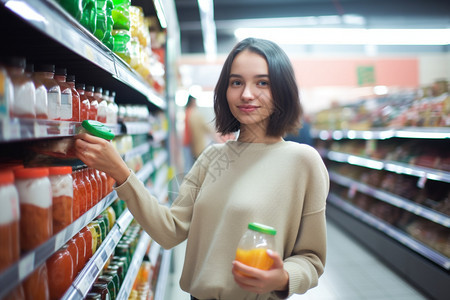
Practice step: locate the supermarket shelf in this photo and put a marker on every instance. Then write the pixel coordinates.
(392, 199)
(67, 32)
(159, 136)
(16, 129)
(144, 173)
(382, 134)
(160, 159)
(391, 231)
(163, 275)
(137, 127)
(135, 264)
(137, 151)
(155, 249)
(30, 261)
(83, 282)
(392, 166)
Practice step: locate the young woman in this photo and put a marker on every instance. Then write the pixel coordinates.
(257, 178)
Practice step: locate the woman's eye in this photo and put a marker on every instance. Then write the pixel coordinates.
(263, 83)
(235, 83)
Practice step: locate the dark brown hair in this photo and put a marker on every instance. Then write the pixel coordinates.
(283, 86)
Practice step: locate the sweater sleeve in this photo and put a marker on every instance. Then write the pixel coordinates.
(168, 226)
(307, 261)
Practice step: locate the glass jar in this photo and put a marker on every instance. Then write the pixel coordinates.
(41, 105)
(60, 272)
(99, 184)
(94, 183)
(62, 197)
(81, 246)
(46, 74)
(85, 105)
(253, 246)
(118, 270)
(83, 192)
(73, 250)
(35, 197)
(88, 239)
(89, 188)
(36, 285)
(9, 220)
(102, 289)
(108, 279)
(76, 101)
(103, 106)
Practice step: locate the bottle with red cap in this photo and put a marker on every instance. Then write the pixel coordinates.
(35, 198)
(62, 196)
(60, 272)
(9, 220)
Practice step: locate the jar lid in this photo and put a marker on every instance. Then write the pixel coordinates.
(60, 170)
(24, 173)
(6, 176)
(262, 228)
(98, 129)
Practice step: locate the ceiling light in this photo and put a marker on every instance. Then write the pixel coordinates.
(348, 36)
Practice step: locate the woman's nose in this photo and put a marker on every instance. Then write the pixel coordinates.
(247, 93)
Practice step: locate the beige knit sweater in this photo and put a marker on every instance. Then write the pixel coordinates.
(283, 185)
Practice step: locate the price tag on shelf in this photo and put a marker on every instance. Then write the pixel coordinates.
(59, 239)
(26, 266)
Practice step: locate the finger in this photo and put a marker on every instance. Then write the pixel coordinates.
(277, 261)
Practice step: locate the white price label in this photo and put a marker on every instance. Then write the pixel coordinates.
(26, 266)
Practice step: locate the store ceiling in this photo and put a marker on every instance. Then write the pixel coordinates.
(231, 14)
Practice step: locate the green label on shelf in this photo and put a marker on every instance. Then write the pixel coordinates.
(366, 75)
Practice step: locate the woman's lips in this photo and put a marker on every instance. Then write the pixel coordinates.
(247, 108)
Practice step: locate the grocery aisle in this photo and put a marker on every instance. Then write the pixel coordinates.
(351, 273)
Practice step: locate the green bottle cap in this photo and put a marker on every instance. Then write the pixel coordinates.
(98, 129)
(262, 228)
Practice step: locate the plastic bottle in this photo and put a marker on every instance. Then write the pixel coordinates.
(76, 100)
(45, 73)
(113, 109)
(66, 94)
(36, 285)
(103, 107)
(89, 189)
(87, 236)
(85, 105)
(81, 245)
(23, 105)
(9, 220)
(62, 194)
(89, 92)
(6, 94)
(60, 272)
(100, 184)
(253, 246)
(35, 197)
(41, 104)
(94, 183)
(89, 16)
(108, 279)
(83, 192)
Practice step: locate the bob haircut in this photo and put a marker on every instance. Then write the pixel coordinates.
(283, 86)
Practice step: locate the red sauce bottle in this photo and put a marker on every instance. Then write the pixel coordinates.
(76, 100)
(60, 270)
(85, 105)
(89, 92)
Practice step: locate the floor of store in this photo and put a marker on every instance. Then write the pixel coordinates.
(351, 273)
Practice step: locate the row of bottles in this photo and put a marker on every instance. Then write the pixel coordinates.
(40, 202)
(48, 92)
(53, 278)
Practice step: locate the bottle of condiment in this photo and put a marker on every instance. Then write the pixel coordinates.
(46, 73)
(89, 188)
(73, 250)
(253, 246)
(41, 105)
(83, 192)
(87, 236)
(104, 179)
(62, 194)
(76, 100)
(85, 105)
(35, 198)
(76, 197)
(9, 220)
(81, 245)
(36, 285)
(24, 100)
(108, 279)
(66, 94)
(103, 107)
(89, 92)
(94, 183)
(60, 270)
(102, 289)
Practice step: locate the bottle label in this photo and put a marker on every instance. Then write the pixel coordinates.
(54, 106)
(66, 106)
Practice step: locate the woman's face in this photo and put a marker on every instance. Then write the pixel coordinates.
(249, 96)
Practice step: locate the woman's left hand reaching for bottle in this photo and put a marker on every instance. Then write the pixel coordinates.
(262, 281)
(100, 154)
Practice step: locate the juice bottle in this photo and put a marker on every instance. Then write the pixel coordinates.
(85, 105)
(45, 73)
(36, 285)
(89, 92)
(41, 105)
(62, 196)
(103, 107)
(24, 94)
(76, 101)
(253, 246)
(9, 220)
(35, 197)
(60, 272)
(66, 94)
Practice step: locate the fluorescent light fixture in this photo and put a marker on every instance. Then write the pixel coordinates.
(160, 13)
(348, 36)
(206, 8)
